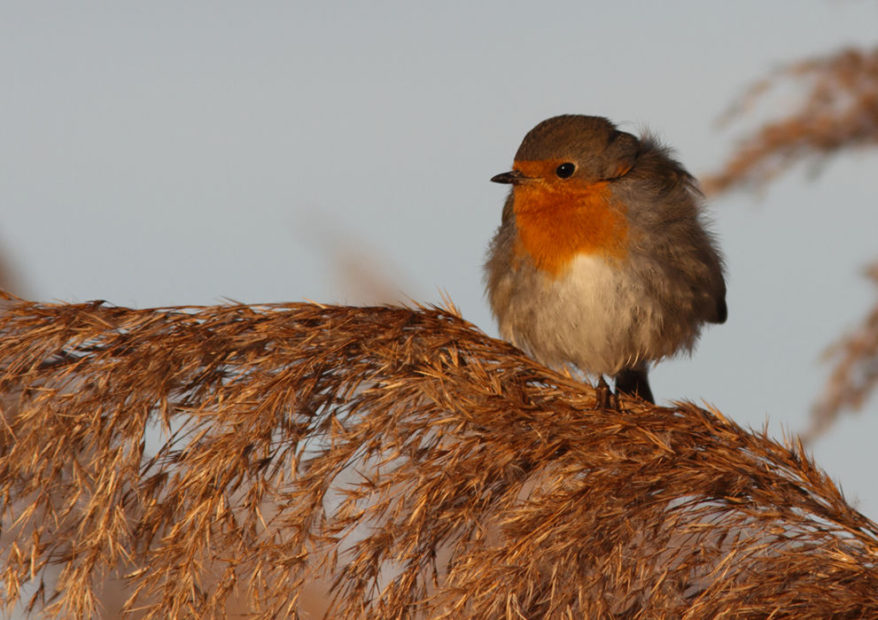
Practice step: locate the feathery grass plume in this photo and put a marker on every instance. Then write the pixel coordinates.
(855, 374)
(426, 469)
(839, 111)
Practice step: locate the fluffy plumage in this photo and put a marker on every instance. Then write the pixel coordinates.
(608, 299)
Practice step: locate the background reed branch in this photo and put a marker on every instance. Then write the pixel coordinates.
(836, 112)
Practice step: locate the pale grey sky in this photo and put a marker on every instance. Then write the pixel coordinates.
(175, 153)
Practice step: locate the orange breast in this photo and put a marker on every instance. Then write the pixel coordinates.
(558, 220)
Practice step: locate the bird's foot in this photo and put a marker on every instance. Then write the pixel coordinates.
(605, 398)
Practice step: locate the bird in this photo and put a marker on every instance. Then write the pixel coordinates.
(603, 260)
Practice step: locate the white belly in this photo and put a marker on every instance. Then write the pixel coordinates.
(599, 315)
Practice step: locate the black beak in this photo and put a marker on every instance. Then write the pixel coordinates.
(513, 177)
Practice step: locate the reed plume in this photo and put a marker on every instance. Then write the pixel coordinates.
(427, 470)
(838, 112)
(855, 374)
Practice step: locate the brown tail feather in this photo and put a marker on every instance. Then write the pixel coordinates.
(634, 381)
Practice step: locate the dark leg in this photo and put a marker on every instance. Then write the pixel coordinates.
(602, 394)
(634, 381)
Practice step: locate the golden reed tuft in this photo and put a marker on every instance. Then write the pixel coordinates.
(854, 378)
(840, 111)
(425, 469)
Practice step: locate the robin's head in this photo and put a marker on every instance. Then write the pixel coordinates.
(572, 149)
(561, 194)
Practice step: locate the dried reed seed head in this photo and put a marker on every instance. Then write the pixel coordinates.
(839, 111)
(854, 377)
(426, 469)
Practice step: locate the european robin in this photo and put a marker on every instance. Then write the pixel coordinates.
(602, 260)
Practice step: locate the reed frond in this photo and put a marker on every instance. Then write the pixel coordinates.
(424, 468)
(840, 110)
(854, 377)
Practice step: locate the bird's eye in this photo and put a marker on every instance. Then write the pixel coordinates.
(565, 170)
